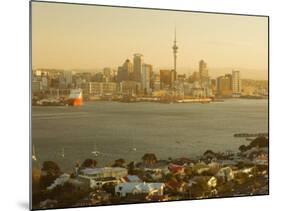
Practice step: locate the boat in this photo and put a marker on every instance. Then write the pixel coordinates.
(49, 102)
(62, 153)
(75, 98)
(134, 149)
(33, 153)
(95, 152)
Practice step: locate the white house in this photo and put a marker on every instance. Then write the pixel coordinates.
(226, 174)
(96, 177)
(106, 172)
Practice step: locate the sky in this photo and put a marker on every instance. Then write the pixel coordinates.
(68, 36)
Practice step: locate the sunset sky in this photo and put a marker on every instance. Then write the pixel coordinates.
(68, 36)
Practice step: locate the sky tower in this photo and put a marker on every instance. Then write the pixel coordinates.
(175, 51)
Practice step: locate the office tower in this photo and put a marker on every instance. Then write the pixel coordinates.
(125, 71)
(181, 77)
(121, 74)
(165, 79)
(128, 66)
(156, 84)
(107, 72)
(138, 61)
(98, 77)
(130, 88)
(146, 78)
(236, 82)
(102, 88)
(194, 77)
(203, 71)
(68, 78)
(224, 85)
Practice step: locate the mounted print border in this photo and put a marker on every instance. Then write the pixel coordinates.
(138, 105)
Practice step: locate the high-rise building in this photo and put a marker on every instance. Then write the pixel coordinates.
(181, 77)
(107, 72)
(236, 83)
(194, 77)
(156, 84)
(165, 79)
(122, 75)
(125, 71)
(36, 86)
(203, 70)
(146, 78)
(101, 88)
(138, 61)
(128, 66)
(130, 87)
(68, 78)
(224, 85)
(98, 77)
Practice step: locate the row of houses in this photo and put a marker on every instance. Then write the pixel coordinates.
(165, 180)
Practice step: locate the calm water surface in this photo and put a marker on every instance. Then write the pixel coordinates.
(168, 130)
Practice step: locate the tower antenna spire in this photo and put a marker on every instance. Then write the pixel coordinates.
(175, 34)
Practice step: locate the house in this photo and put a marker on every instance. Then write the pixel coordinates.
(261, 160)
(209, 181)
(176, 186)
(155, 176)
(183, 161)
(106, 172)
(130, 178)
(200, 167)
(59, 181)
(176, 169)
(214, 165)
(135, 188)
(99, 197)
(97, 177)
(157, 166)
(202, 186)
(227, 162)
(244, 173)
(225, 174)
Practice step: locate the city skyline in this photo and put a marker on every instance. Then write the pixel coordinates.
(83, 41)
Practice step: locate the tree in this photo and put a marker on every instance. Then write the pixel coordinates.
(260, 141)
(149, 158)
(131, 167)
(119, 163)
(243, 148)
(49, 172)
(208, 152)
(89, 163)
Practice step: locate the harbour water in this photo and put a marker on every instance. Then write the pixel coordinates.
(168, 130)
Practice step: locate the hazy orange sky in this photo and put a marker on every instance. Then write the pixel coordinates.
(68, 36)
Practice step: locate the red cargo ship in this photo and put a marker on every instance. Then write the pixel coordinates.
(75, 97)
